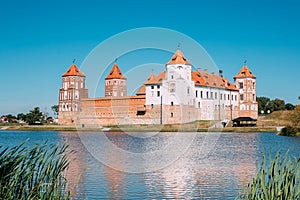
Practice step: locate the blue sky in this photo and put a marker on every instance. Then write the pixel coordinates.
(40, 39)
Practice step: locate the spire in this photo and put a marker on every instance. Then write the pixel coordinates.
(115, 72)
(178, 58)
(73, 71)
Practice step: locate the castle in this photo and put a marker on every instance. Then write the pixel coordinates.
(176, 95)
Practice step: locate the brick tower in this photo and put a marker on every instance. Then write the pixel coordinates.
(115, 83)
(245, 81)
(72, 91)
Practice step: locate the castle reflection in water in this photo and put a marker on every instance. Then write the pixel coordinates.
(230, 164)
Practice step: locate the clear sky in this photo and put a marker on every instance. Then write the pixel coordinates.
(40, 39)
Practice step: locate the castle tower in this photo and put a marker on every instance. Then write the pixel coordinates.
(115, 83)
(178, 81)
(72, 91)
(245, 81)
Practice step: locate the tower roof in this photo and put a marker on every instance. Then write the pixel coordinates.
(178, 58)
(156, 80)
(115, 73)
(245, 73)
(73, 71)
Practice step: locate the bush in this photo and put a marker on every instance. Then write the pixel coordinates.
(33, 173)
(288, 131)
(276, 179)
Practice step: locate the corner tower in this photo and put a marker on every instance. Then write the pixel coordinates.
(72, 91)
(115, 82)
(245, 81)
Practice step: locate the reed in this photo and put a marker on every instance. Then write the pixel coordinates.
(33, 173)
(277, 178)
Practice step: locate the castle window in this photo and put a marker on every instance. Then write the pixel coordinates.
(201, 94)
(172, 87)
(172, 103)
(172, 76)
(158, 86)
(211, 95)
(242, 97)
(198, 104)
(221, 96)
(253, 97)
(152, 86)
(241, 85)
(232, 97)
(188, 90)
(151, 106)
(207, 95)
(236, 97)
(158, 93)
(172, 115)
(216, 95)
(253, 85)
(228, 97)
(196, 93)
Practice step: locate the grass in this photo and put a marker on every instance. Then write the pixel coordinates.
(277, 178)
(33, 173)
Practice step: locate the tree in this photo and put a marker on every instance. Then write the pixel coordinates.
(34, 116)
(55, 110)
(262, 103)
(276, 104)
(295, 116)
(10, 118)
(21, 116)
(289, 106)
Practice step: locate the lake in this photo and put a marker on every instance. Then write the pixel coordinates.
(159, 165)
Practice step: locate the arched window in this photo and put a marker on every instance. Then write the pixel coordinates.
(172, 115)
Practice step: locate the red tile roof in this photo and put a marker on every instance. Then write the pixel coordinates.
(115, 73)
(156, 80)
(142, 90)
(245, 73)
(73, 71)
(198, 79)
(178, 58)
(211, 80)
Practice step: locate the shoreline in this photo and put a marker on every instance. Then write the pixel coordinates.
(140, 128)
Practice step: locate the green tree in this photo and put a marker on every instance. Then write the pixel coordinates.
(262, 103)
(55, 110)
(34, 115)
(289, 106)
(10, 118)
(295, 116)
(276, 104)
(21, 116)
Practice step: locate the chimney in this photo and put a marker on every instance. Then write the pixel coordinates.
(213, 73)
(198, 70)
(205, 71)
(221, 73)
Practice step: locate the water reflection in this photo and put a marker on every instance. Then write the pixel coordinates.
(216, 176)
(219, 174)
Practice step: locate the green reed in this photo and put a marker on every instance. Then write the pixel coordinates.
(33, 172)
(277, 178)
